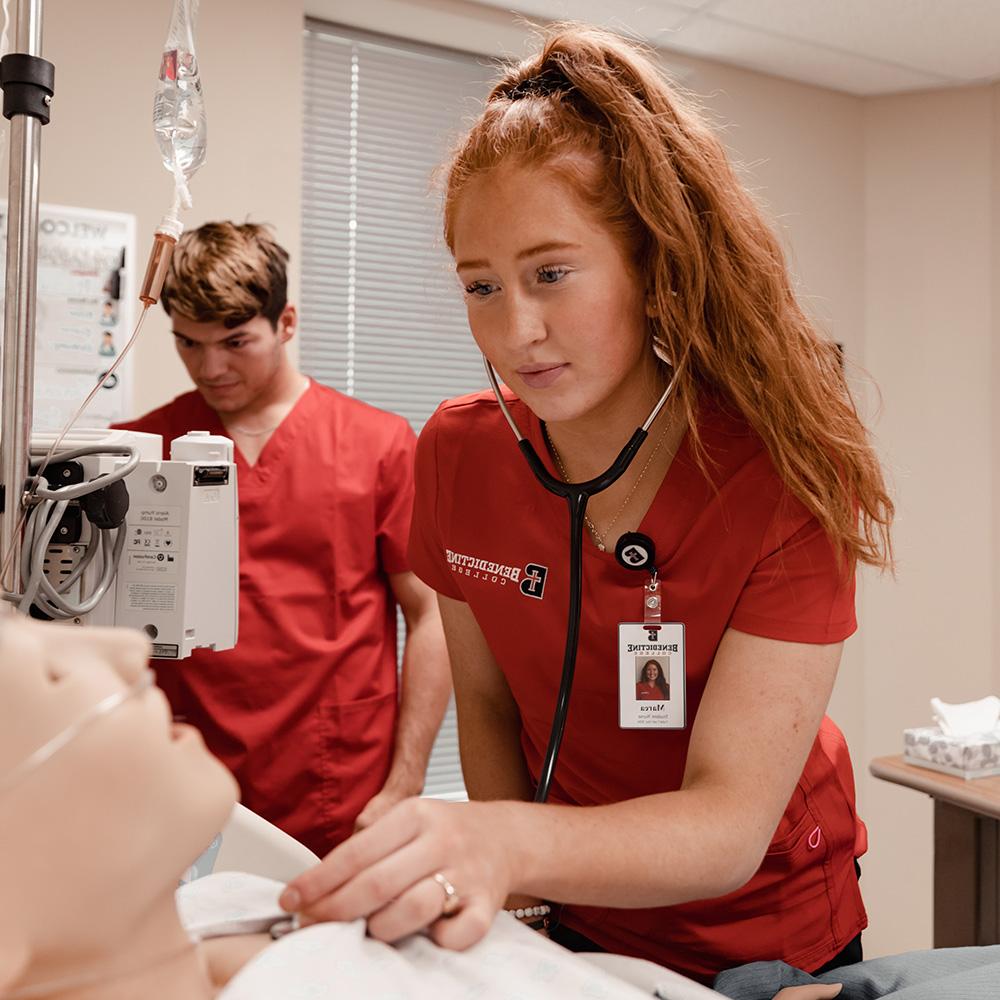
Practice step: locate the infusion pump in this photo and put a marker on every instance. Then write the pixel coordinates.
(176, 576)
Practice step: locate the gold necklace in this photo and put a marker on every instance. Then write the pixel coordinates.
(597, 536)
(248, 432)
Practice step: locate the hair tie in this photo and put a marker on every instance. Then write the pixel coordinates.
(547, 83)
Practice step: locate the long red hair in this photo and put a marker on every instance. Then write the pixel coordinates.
(595, 108)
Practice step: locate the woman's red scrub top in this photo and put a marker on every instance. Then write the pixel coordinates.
(303, 710)
(649, 692)
(741, 553)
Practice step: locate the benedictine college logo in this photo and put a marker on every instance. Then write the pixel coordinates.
(530, 579)
(533, 584)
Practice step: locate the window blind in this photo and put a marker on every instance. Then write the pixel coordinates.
(382, 317)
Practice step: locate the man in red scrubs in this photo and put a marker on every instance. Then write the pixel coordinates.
(306, 709)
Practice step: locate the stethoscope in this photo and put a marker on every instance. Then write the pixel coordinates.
(577, 495)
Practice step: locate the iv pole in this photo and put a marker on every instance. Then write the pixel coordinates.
(27, 81)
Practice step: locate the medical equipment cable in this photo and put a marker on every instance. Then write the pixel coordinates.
(105, 378)
(576, 495)
(164, 240)
(180, 131)
(42, 522)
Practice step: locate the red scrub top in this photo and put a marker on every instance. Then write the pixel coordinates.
(303, 709)
(649, 692)
(741, 554)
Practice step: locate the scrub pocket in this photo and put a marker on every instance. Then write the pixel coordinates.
(356, 743)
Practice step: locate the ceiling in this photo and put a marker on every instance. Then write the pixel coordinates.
(863, 47)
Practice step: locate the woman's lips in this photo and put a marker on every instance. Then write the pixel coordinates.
(541, 378)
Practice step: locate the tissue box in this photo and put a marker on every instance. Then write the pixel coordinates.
(974, 756)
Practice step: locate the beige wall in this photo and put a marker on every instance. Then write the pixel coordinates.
(931, 171)
(887, 208)
(99, 150)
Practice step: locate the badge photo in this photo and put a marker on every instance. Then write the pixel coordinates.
(651, 676)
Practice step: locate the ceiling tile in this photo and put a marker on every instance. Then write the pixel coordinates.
(956, 40)
(642, 20)
(727, 42)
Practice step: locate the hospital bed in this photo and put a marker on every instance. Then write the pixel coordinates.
(252, 844)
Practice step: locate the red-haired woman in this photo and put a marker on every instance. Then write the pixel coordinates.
(607, 249)
(652, 685)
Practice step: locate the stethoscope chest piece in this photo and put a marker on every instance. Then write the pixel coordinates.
(635, 551)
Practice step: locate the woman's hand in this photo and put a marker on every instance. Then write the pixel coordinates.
(386, 873)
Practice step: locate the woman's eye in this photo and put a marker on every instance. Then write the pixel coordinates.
(479, 288)
(550, 275)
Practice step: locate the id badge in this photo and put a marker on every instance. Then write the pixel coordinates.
(651, 675)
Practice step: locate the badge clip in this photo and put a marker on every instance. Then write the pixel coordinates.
(652, 601)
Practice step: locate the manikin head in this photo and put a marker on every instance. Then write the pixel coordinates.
(226, 295)
(93, 840)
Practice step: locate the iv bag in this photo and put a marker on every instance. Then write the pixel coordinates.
(178, 107)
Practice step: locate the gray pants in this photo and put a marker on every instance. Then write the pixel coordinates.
(944, 974)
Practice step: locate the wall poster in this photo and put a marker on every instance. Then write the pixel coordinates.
(86, 310)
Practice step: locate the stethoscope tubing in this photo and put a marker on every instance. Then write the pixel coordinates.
(577, 496)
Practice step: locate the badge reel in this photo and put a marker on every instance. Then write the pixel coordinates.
(651, 674)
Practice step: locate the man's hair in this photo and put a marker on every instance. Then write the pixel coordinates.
(224, 273)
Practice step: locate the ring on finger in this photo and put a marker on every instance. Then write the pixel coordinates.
(452, 900)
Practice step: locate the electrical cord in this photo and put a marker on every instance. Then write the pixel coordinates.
(41, 524)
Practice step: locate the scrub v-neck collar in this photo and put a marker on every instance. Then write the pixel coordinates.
(658, 512)
(272, 454)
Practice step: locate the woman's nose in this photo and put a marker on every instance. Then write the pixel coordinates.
(525, 325)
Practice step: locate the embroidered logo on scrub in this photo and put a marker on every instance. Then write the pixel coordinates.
(533, 584)
(531, 578)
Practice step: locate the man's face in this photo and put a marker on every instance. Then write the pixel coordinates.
(233, 368)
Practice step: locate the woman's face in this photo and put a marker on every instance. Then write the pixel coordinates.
(110, 821)
(652, 671)
(553, 300)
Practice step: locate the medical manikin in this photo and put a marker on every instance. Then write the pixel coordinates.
(104, 802)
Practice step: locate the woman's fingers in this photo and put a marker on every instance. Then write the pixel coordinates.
(378, 885)
(423, 865)
(421, 904)
(347, 860)
(466, 927)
